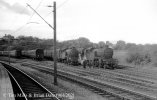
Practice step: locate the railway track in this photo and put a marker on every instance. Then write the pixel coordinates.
(147, 85)
(136, 72)
(130, 74)
(121, 80)
(135, 75)
(123, 77)
(127, 76)
(25, 87)
(97, 86)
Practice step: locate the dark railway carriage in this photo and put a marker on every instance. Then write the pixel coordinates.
(13, 53)
(37, 54)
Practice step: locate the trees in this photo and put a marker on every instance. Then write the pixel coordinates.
(101, 44)
(79, 43)
(109, 43)
(120, 45)
(83, 42)
(130, 45)
(4, 42)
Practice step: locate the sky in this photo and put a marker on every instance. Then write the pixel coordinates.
(133, 21)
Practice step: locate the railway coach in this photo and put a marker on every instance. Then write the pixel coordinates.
(13, 53)
(5, 53)
(37, 54)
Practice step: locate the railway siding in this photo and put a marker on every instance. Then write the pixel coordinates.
(124, 79)
(134, 93)
(96, 73)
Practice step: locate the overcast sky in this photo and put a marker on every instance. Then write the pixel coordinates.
(98, 20)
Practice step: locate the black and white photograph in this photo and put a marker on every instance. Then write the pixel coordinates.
(78, 49)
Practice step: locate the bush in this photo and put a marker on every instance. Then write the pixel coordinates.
(153, 51)
(138, 56)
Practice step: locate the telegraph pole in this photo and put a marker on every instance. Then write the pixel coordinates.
(55, 58)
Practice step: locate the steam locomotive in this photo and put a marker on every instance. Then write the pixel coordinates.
(99, 57)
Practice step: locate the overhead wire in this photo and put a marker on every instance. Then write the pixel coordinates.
(62, 4)
(12, 24)
(29, 18)
(35, 9)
